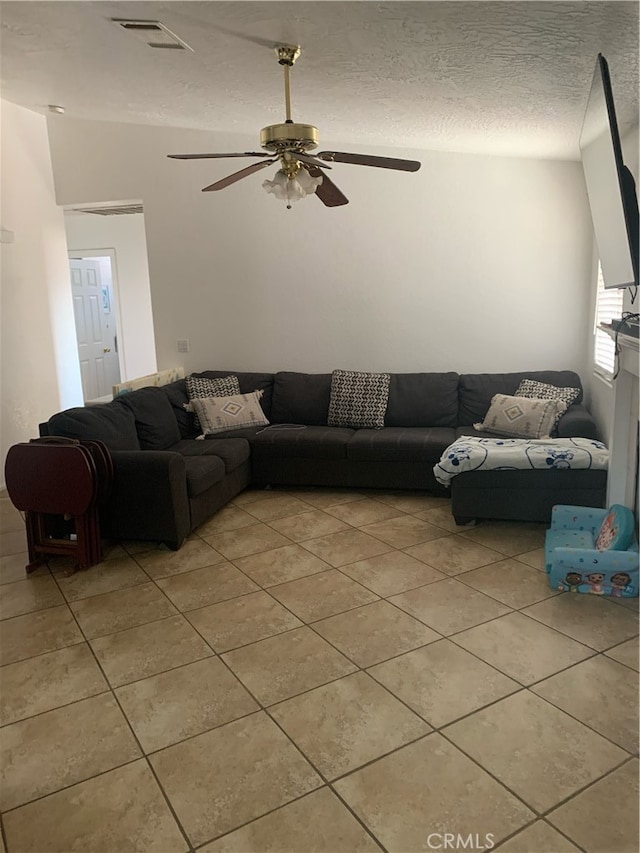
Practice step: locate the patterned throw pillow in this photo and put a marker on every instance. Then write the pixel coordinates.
(200, 386)
(220, 414)
(358, 400)
(521, 417)
(543, 391)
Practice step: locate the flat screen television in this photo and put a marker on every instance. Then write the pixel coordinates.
(610, 185)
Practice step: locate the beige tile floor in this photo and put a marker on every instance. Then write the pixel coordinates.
(315, 670)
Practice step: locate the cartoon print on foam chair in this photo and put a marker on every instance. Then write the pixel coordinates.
(619, 582)
(608, 532)
(571, 582)
(595, 582)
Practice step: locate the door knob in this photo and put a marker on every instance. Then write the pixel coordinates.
(106, 349)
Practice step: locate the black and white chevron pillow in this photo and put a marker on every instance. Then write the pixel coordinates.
(358, 400)
(200, 386)
(544, 391)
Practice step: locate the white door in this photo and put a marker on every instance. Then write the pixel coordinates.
(96, 329)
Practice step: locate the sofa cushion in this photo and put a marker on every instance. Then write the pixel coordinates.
(176, 393)
(301, 398)
(232, 451)
(301, 442)
(111, 423)
(248, 382)
(247, 433)
(475, 390)
(203, 472)
(358, 400)
(471, 430)
(422, 400)
(400, 444)
(156, 425)
(577, 422)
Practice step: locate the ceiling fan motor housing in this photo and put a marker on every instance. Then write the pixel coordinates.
(281, 137)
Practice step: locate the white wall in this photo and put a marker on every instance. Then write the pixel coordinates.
(471, 264)
(39, 360)
(126, 236)
(601, 390)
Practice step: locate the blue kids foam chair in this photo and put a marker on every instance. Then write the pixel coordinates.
(592, 550)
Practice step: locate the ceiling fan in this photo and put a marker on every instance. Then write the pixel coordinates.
(300, 173)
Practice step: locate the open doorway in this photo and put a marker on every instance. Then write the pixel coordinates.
(96, 313)
(114, 230)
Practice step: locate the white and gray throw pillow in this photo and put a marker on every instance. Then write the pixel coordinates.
(358, 400)
(521, 417)
(201, 386)
(235, 411)
(544, 391)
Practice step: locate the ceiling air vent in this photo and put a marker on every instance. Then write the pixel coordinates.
(110, 211)
(153, 34)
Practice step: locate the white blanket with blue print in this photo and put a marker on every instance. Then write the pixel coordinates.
(472, 453)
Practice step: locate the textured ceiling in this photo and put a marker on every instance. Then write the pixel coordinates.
(501, 78)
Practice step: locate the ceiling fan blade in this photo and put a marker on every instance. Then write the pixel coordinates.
(327, 192)
(237, 176)
(210, 156)
(312, 161)
(367, 160)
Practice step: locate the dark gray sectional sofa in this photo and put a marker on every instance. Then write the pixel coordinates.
(167, 482)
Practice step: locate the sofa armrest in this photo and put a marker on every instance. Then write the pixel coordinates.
(590, 560)
(149, 499)
(577, 422)
(584, 570)
(566, 517)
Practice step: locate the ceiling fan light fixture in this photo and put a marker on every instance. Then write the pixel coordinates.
(292, 188)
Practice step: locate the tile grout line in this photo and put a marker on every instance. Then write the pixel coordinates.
(307, 624)
(327, 781)
(538, 814)
(360, 669)
(397, 698)
(531, 824)
(143, 754)
(627, 759)
(581, 722)
(67, 787)
(182, 613)
(3, 834)
(564, 835)
(266, 709)
(133, 734)
(261, 708)
(524, 687)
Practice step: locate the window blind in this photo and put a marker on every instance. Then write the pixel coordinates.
(608, 307)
